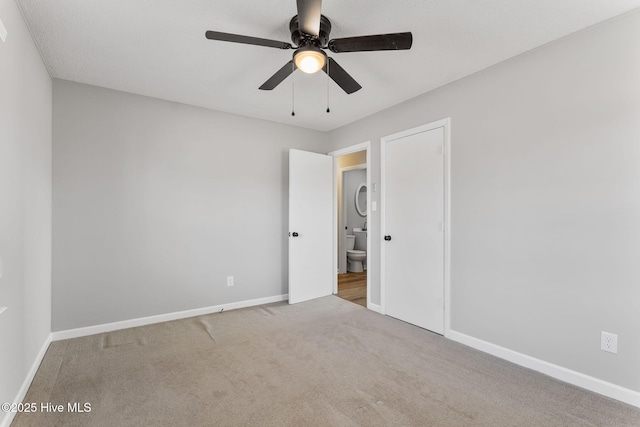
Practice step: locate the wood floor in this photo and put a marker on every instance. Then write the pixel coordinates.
(353, 287)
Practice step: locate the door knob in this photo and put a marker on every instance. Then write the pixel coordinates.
(295, 234)
(387, 238)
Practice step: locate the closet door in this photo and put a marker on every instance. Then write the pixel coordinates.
(413, 228)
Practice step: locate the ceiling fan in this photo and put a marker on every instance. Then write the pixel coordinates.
(310, 33)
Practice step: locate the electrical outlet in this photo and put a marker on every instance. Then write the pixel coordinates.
(609, 342)
(230, 281)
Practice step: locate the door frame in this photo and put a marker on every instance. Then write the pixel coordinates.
(364, 146)
(446, 125)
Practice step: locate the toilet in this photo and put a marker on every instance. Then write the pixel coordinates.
(356, 251)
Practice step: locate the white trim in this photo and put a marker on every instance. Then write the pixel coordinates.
(142, 321)
(363, 146)
(370, 225)
(8, 418)
(418, 129)
(447, 225)
(563, 374)
(383, 249)
(374, 307)
(446, 125)
(351, 149)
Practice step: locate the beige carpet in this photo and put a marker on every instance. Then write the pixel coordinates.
(324, 362)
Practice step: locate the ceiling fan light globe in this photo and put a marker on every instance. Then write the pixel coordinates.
(310, 60)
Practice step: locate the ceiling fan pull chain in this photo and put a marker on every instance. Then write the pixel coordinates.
(328, 109)
(293, 90)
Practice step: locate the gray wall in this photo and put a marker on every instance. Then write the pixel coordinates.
(25, 203)
(352, 180)
(545, 198)
(156, 203)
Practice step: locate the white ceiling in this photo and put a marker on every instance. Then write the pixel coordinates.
(158, 48)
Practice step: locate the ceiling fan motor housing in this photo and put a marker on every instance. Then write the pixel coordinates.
(310, 32)
(301, 39)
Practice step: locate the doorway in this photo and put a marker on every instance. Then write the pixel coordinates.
(352, 228)
(352, 215)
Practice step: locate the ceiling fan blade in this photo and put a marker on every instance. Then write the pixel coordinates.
(279, 76)
(341, 77)
(309, 16)
(236, 38)
(394, 41)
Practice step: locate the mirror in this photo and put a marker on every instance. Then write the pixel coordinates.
(361, 200)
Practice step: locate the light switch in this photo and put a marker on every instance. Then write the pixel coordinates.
(374, 206)
(3, 32)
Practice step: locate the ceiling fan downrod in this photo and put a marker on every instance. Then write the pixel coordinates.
(310, 32)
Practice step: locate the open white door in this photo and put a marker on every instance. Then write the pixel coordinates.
(310, 225)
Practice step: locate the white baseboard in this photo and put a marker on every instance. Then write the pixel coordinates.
(374, 307)
(142, 321)
(8, 418)
(596, 385)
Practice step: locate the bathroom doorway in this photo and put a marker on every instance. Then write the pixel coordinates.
(352, 224)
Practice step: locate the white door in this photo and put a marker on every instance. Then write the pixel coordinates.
(413, 209)
(310, 225)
